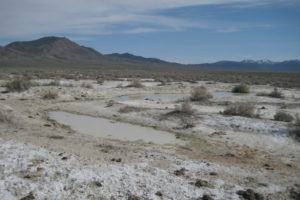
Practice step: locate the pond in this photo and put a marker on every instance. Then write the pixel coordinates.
(105, 128)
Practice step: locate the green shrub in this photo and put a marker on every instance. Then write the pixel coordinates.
(18, 85)
(242, 88)
(49, 95)
(240, 109)
(283, 116)
(200, 94)
(276, 94)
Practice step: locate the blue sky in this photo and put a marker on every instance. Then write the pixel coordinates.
(185, 31)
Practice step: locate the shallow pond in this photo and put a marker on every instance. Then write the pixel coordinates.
(112, 129)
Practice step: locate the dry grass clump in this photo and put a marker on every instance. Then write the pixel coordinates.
(240, 109)
(56, 137)
(185, 108)
(128, 109)
(5, 116)
(18, 85)
(87, 85)
(53, 83)
(241, 88)
(200, 94)
(283, 116)
(50, 95)
(136, 83)
(110, 103)
(274, 94)
(100, 81)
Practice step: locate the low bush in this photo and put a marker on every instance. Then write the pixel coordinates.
(87, 85)
(242, 88)
(128, 109)
(18, 85)
(200, 94)
(110, 103)
(136, 83)
(276, 94)
(53, 83)
(185, 108)
(49, 95)
(240, 109)
(295, 133)
(283, 116)
(5, 116)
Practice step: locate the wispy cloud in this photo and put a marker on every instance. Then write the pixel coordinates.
(228, 30)
(31, 17)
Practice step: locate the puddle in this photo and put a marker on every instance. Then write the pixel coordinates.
(122, 98)
(218, 95)
(172, 98)
(112, 129)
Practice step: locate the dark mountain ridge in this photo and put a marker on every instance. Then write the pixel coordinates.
(62, 52)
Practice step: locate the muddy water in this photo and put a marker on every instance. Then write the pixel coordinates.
(112, 129)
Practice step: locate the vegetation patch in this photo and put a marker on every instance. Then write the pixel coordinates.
(241, 88)
(18, 85)
(5, 116)
(283, 116)
(240, 109)
(49, 95)
(56, 137)
(86, 85)
(200, 94)
(136, 83)
(128, 109)
(274, 94)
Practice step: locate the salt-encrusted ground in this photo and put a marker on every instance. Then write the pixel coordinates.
(230, 153)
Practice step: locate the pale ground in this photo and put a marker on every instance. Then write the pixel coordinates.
(230, 153)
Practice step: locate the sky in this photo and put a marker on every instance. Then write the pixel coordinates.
(184, 31)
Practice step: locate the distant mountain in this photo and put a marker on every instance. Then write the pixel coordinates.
(132, 57)
(251, 65)
(61, 52)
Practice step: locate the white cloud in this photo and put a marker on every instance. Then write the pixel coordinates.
(37, 17)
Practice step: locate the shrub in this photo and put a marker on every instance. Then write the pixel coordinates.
(185, 108)
(136, 83)
(86, 85)
(49, 95)
(54, 83)
(283, 116)
(297, 120)
(110, 103)
(18, 85)
(295, 133)
(242, 88)
(276, 94)
(5, 116)
(100, 81)
(128, 109)
(200, 94)
(240, 109)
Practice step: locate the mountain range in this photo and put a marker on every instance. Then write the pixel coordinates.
(62, 52)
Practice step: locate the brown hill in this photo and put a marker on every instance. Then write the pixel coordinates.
(58, 47)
